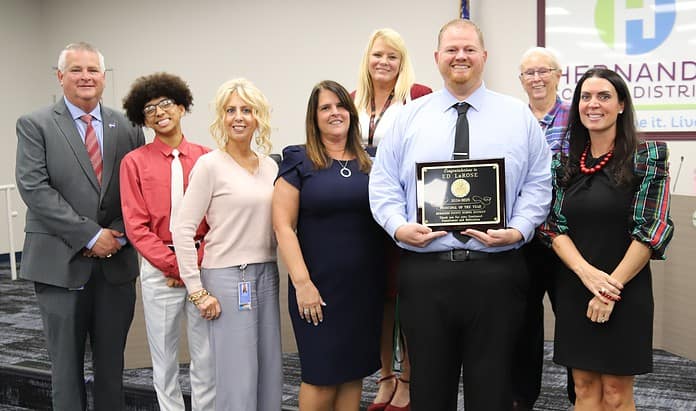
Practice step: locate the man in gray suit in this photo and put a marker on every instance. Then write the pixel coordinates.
(75, 252)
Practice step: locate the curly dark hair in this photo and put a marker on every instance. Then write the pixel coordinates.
(156, 85)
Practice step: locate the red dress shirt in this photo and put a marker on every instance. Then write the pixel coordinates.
(146, 200)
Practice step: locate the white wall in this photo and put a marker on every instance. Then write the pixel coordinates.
(284, 47)
(22, 78)
(509, 29)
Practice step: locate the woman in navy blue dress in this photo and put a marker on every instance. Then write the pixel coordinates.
(334, 252)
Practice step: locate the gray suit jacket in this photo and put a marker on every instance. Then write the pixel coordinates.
(66, 206)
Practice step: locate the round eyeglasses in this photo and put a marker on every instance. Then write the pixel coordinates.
(165, 104)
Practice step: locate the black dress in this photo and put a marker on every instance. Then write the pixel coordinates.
(343, 248)
(599, 222)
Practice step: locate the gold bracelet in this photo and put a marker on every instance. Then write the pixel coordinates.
(197, 296)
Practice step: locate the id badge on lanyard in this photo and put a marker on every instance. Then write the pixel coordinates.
(244, 291)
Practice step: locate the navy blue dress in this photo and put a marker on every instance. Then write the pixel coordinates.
(343, 248)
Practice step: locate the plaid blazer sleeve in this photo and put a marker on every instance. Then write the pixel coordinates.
(556, 222)
(652, 223)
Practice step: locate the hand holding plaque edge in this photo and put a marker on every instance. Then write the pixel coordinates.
(417, 235)
(495, 238)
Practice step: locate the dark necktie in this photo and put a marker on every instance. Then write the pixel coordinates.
(461, 136)
(461, 148)
(92, 146)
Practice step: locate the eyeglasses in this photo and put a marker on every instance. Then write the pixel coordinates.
(165, 104)
(544, 72)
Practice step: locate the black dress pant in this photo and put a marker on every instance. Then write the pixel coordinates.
(462, 318)
(542, 264)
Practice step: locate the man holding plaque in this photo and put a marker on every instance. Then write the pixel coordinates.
(461, 187)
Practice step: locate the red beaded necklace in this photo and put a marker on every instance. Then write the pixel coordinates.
(596, 167)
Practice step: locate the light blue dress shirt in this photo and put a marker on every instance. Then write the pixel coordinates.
(98, 125)
(499, 126)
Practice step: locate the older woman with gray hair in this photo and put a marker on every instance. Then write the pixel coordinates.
(540, 73)
(236, 287)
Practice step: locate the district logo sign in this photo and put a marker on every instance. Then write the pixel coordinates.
(634, 26)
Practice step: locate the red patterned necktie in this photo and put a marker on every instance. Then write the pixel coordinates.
(92, 145)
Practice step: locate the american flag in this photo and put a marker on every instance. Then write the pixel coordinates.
(465, 9)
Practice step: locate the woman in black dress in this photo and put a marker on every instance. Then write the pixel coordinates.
(334, 251)
(609, 217)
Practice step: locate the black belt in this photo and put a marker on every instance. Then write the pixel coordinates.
(463, 255)
(197, 244)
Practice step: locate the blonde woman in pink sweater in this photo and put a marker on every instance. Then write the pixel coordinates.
(236, 287)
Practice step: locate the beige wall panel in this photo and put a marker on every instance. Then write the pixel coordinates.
(679, 316)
